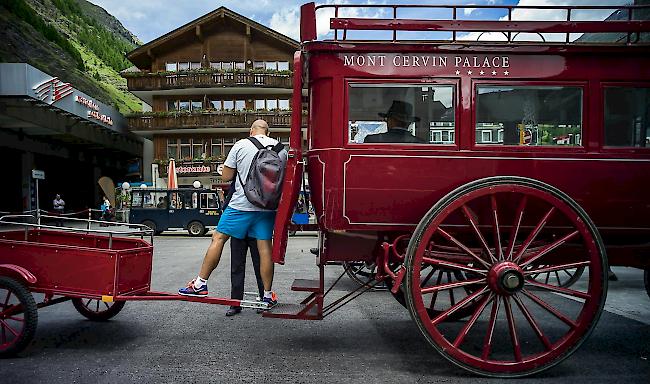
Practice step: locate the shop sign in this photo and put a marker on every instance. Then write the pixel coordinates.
(52, 90)
(193, 169)
(87, 102)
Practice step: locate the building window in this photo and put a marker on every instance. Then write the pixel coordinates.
(216, 104)
(183, 66)
(186, 149)
(216, 148)
(171, 105)
(183, 105)
(284, 105)
(228, 105)
(529, 115)
(198, 149)
(171, 67)
(197, 105)
(283, 65)
(271, 104)
(260, 105)
(240, 66)
(172, 148)
(226, 66)
(258, 65)
(227, 146)
(240, 105)
(627, 117)
(215, 65)
(195, 65)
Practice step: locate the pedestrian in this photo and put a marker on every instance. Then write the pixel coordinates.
(59, 208)
(242, 219)
(238, 250)
(107, 212)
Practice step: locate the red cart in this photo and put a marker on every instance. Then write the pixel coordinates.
(520, 176)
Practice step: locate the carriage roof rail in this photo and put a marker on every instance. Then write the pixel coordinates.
(626, 22)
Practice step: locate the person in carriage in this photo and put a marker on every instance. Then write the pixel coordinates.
(398, 119)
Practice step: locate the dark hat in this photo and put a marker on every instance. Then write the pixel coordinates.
(401, 110)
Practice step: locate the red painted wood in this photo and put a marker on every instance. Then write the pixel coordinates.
(490, 26)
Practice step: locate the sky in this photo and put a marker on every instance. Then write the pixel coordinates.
(149, 19)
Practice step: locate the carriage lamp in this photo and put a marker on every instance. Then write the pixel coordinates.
(196, 184)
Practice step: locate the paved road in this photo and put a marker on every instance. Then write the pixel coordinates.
(373, 339)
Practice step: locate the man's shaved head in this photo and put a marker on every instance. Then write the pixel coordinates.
(259, 127)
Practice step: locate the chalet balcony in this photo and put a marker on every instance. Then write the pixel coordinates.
(154, 121)
(140, 81)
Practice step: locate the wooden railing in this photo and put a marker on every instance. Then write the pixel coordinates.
(236, 119)
(205, 79)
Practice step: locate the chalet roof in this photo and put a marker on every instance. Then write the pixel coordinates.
(140, 54)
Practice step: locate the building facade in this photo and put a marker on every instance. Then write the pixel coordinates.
(202, 85)
(47, 124)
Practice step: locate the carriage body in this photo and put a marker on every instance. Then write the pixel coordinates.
(387, 188)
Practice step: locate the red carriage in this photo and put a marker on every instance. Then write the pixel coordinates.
(517, 180)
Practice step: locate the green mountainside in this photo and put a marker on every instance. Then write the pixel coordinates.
(75, 40)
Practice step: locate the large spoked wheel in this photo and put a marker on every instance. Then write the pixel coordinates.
(18, 317)
(97, 310)
(364, 273)
(499, 232)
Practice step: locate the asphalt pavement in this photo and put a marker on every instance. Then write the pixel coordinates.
(372, 339)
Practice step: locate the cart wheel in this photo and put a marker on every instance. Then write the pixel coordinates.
(562, 278)
(18, 317)
(152, 225)
(518, 326)
(364, 274)
(646, 279)
(195, 228)
(97, 310)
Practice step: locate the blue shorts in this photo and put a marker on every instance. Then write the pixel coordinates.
(243, 224)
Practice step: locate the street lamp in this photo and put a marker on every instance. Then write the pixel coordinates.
(143, 186)
(126, 185)
(196, 184)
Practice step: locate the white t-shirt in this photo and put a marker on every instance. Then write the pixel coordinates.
(240, 157)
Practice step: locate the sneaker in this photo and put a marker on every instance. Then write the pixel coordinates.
(191, 291)
(270, 301)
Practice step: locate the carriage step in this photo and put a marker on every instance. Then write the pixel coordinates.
(293, 311)
(307, 285)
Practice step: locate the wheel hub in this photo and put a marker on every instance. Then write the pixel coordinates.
(506, 278)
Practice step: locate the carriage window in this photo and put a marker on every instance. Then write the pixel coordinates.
(401, 113)
(209, 201)
(627, 117)
(529, 115)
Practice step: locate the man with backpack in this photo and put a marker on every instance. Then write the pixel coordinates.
(258, 164)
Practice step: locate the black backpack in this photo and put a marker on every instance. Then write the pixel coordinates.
(263, 186)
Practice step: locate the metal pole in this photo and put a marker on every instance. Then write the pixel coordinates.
(38, 207)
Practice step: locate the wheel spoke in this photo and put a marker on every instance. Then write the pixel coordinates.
(452, 265)
(5, 325)
(4, 334)
(108, 307)
(470, 323)
(548, 248)
(435, 293)
(487, 343)
(531, 237)
(515, 227)
(561, 267)
(463, 247)
(426, 279)
(495, 227)
(97, 310)
(453, 285)
(7, 299)
(550, 309)
(566, 291)
(533, 323)
(452, 300)
(471, 217)
(459, 305)
(16, 319)
(88, 303)
(557, 276)
(516, 347)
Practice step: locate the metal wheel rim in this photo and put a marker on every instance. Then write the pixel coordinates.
(196, 229)
(523, 365)
(356, 269)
